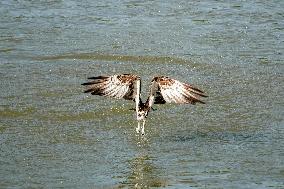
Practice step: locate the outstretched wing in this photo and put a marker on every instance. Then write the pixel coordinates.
(166, 90)
(116, 86)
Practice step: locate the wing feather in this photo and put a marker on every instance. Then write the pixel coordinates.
(164, 89)
(116, 86)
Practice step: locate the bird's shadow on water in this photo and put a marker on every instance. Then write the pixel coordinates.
(143, 171)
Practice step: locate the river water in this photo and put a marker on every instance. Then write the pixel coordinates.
(54, 136)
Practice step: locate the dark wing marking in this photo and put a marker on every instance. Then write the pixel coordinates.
(164, 89)
(116, 86)
(159, 97)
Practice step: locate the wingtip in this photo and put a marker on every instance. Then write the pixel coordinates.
(86, 83)
(193, 102)
(98, 77)
(88, 90)
(203, 95)
(201, 102)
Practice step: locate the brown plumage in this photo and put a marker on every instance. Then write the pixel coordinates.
(162, 90)
(170, 90)
(116, 86)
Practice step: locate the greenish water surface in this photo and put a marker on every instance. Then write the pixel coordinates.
(54, 136)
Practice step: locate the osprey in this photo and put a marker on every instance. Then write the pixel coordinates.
(127, 86)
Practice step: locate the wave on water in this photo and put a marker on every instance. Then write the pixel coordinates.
(115, 57)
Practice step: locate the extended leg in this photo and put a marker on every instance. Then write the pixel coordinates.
(138, 127)
(143, 132)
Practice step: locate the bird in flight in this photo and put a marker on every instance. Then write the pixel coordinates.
(128, 86)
